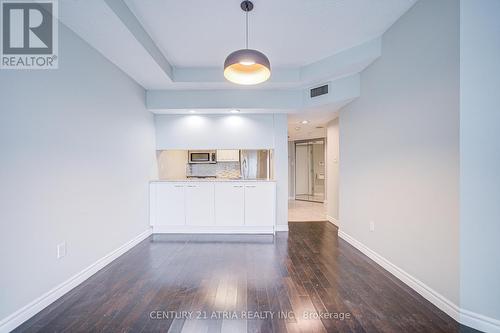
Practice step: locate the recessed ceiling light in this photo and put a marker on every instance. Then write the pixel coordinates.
(305, 122)
(235, 111)
(192, 111)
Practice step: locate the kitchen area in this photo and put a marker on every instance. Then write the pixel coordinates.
(220, 173)
(214, 191)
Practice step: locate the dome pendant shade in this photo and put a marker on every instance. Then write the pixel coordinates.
(247, 67)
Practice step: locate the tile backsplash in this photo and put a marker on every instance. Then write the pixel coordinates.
(219, 169)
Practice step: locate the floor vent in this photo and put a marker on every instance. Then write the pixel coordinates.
(323, 90)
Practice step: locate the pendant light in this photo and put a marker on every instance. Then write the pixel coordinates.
(247, 66)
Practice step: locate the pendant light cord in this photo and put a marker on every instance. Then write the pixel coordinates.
(246, 12)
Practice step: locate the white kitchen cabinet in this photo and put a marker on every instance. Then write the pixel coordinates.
(228, 155)
(213, 206)
(170, 203)
(200, 205)
(229, 204)
(259, 204)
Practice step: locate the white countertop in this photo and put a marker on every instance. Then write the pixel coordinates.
(209, 180)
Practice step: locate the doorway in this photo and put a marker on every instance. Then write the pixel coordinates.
(310, 170)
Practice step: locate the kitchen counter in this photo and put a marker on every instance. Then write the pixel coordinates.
(210, 180)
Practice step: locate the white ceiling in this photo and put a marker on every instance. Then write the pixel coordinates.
(292, 33)
(317, 118)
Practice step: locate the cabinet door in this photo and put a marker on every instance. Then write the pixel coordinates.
(229, 204)
(200, 204)
(260, 201)
(228, 155)
(170, 204)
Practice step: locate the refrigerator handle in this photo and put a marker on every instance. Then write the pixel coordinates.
(244, 168)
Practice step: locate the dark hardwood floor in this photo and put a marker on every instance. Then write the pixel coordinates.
(308, 280)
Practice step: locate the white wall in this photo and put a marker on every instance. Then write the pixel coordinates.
(399, 149)
(291, 169)
(238, 131)
(77, 151)
(332, 168)
(480, 157)
(281, 169)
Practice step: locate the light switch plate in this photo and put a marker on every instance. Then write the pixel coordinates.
(372, 226)
(61, 250)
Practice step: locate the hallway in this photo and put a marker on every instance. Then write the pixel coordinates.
(306, 211)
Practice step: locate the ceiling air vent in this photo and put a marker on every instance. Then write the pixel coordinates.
(323, 90)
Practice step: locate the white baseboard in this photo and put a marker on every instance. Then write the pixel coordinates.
(479, 322)
(462, 316)
(20, 316)
(332, 220)
(190, 229)
(282, 227)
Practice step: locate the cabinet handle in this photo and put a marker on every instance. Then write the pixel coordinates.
(178, 185)
(252, 186)
(237, 185)
(192, 185)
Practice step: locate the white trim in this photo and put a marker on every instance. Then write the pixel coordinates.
(194, 229)
(282, 227)
(462, 316)
(333, 221)
(479, 322)
(20, 316)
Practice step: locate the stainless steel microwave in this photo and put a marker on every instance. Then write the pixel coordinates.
(202, 156)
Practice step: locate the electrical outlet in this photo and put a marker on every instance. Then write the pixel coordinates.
(372, 226)
(61, 250)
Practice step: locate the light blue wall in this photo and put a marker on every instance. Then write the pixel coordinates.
(281, 169)
(399, 150)
(480, 157)
(332, 169)
(77, 151)
(211, 131)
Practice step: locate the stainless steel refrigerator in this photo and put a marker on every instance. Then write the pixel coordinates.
(255, 164)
